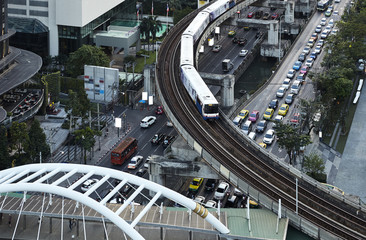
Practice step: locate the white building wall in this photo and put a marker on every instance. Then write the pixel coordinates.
(78, 13)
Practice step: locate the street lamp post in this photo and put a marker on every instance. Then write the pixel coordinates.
(279, 41)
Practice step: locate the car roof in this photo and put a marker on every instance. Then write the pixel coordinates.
(270, 131)
(223, 184)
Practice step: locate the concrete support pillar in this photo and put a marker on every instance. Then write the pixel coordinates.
(227, 91)
(138, 45)
(273, 33)
(149, 83)
(24, 222)
(1, 218)
(77, 228)
(290, 12)
(50, 230)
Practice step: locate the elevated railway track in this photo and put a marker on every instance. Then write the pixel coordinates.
(319, 207)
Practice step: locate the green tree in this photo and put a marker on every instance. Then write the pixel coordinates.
(314, 167)
(19, 136)
(79, 104)
(5, 161)
(86, 139)
(290, 139)
(180, 14)
(145, 30)
(155, 26)
(85, 55)
(37, 142)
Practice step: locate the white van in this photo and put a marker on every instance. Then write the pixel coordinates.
(246, 127)
(252, 135)
(295, 88)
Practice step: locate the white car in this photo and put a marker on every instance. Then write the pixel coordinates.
(88, 184)
(286, 83)
(334, 31)
(221, 191)
(147, 121)
(321, 42)
(318, 49)
(306, 50)
(291, 73)
(269, 137)
(318, 29)
(243, 53)
(278, 118)
(331, 22)
(211, 204)
(323, 21)
(199, 199)
(309, 62)
(324, 34)
(281, 92)
(135, 162)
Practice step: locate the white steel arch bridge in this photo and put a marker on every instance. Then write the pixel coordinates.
(64, 179)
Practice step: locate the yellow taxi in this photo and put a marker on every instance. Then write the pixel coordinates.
(268, 113)
(263, 145)
(283, 109)
(231, 33)
(195, 184)
(243, 113)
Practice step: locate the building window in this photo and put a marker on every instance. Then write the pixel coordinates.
(38, 13)
(38, 3)
(17, 11)
(18, 2)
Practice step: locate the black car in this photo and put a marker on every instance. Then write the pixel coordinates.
(302, 57)
(168, 140)
(301, 78)
(158, 138)
(235, 40)
(266, 16)
(141, 172)
(273, 104)
(210, 184)
(261, 126)
(242, 41)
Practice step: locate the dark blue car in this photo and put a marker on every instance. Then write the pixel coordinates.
(297, 65)
(313, 55)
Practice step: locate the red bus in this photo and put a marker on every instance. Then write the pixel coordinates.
(123, 151)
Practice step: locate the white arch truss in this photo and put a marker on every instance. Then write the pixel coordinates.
(55, 178)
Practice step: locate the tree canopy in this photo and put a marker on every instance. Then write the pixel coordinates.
(85, 55)
(290, 139)
(37, 142)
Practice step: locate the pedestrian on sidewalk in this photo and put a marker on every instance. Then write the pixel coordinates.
(9, 222)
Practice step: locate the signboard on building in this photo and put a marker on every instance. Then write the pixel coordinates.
(101, 83)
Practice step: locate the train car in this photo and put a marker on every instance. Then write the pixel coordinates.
(201, 95)
(198, 25)
(186, 50)
(217, 8)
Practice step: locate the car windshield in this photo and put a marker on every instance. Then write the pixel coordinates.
(253, 115)
(195, 183)
(273, 102)
(268, 135)
(283, 108)
(133, 161)
(242, 114)
(260, 124)
(268, 112)
(294, 87)
(245, 127)
(220, 190)
(280, 90)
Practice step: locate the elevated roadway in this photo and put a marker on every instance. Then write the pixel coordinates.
(310, 207)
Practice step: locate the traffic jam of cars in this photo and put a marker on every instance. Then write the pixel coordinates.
(212, 192)
(293, 81)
